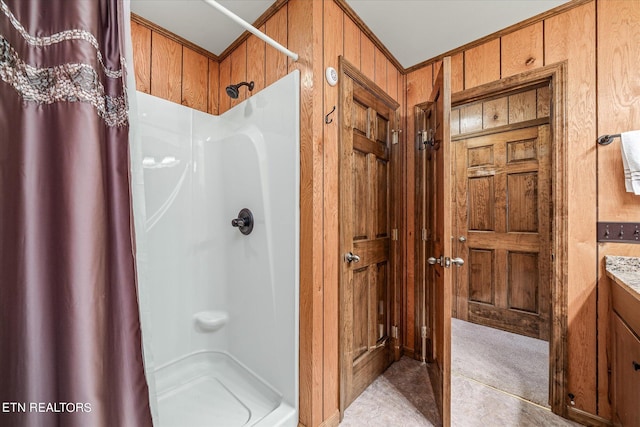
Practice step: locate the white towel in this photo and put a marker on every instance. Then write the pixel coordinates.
(631, 160)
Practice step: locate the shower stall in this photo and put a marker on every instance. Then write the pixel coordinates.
(219, 306)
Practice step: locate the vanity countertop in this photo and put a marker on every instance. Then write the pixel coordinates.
(625, 271)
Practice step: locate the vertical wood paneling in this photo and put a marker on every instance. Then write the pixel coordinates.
(522, 50)
(618, 102)
(276, 62)
(351, 42)
(333, 48)
(457, 72)
(392, 81)
(367, 57)
(380, 69)
(195, 79)
(618, 111)
(141, 41)
(482, 64)
(214, 87)
(571, 36)
(256, 49)
(166, 68)
(304, 27)
(225, 80)
(239, 72)
(419, 85)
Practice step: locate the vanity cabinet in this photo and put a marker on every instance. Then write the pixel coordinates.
(626, 355)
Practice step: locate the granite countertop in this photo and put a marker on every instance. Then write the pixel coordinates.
(624, 270)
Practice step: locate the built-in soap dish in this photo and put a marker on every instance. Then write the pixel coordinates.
(210, 320)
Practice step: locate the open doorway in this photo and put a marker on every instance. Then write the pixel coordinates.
(508, 227)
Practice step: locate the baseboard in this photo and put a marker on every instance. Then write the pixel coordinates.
(332, 421)
(587, 419)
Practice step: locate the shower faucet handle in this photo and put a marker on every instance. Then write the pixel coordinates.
(237, 222)
(244, 221)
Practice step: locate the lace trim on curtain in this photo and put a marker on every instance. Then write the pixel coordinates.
(75, 34)
(67, 82)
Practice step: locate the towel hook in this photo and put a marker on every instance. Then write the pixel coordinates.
(327, 120)
(607, 139)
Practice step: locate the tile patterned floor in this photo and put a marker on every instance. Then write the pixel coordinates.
(403, 397)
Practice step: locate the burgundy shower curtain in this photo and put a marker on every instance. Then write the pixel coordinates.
(70, 341)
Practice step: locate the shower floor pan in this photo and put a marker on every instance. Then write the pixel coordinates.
(212, 389)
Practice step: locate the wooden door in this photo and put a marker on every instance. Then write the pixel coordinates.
(367, 119)
(503, 203)
(434, 249)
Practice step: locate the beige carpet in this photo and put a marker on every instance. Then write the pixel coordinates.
(512, 363)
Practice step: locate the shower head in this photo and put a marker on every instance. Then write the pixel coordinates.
(232, 90)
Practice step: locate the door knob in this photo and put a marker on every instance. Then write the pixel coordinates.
(462, 239)
(433, 260)
(351, 257)
(457, 261)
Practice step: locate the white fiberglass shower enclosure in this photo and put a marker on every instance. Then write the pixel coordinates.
(220, 308)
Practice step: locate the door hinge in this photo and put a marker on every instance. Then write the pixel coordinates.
(394, 234)
(395, 135)
(425, 332)
(394, 332)
(425, 234)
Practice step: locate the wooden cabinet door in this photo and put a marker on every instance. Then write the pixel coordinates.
(367, 119)
(626, 372)
(503, 204)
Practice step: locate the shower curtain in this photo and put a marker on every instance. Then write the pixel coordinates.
(70, 340)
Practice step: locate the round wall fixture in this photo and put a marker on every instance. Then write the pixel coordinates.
(332, 76)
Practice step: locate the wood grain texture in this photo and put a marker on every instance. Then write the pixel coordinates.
(522, 50)
(304, 35)
(276, 62)
(419, 85)
(351, 42)
(166, 68)
(141, 41)
(213, 98)
(333, 48)
(482, 64)
(392, 81)
(380, 69)
(523, 106)
(367, 57)
(626, 389)
(223, 82)
(256, 71)
(618, 102)
(457, 72)
(195, 79)
(239, 72)
(562, 44)
(495, 113)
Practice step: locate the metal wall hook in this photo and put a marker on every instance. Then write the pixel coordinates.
(327, 120)
(607, 139)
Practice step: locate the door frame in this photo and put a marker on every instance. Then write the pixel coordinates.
(349, 71)
(556, 76)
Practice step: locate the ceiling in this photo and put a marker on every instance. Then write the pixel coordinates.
(412, 30)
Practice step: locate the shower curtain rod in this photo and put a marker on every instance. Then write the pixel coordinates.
(252, 29)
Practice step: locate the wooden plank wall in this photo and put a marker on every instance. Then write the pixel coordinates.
(608, 30)
(170, 69)
(319, 31)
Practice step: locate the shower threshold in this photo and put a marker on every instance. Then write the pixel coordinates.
(209, 388)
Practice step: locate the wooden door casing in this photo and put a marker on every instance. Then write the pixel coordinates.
(503, 210)
(366, 192)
